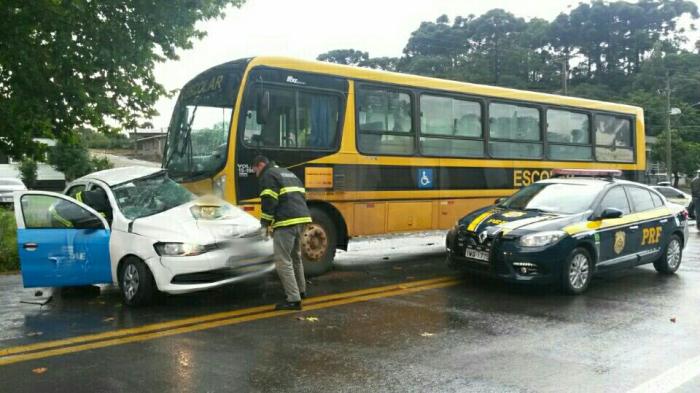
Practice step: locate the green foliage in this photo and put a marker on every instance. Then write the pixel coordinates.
(66, 64)
(685, 155)
(98, 140)
(74, 160)
(28, 172)
(345, 56)
(613, 51)
(100, 164)
(9, 260)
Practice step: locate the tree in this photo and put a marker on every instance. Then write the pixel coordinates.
(686, 155)
(65, 64)
(344, 56)
(28, 172)
(74, 160)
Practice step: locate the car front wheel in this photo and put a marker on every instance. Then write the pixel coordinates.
(670, 260)
(136, 282)
(577, 272)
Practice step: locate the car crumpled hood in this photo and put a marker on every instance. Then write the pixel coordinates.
(179, 225)
(495, 219)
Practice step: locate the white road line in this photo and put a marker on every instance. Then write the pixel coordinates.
(672, 378)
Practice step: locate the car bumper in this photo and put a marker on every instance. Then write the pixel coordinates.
(509, 262)
(231, 263)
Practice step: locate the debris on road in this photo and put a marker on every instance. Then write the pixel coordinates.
(39, 370)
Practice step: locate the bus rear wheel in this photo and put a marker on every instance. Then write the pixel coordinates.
(318, 243)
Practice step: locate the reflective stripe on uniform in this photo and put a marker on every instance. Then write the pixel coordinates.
(58, 217)
(267, 217)
(79, 196)
(269, 192)
(286, 190)
(292, 221)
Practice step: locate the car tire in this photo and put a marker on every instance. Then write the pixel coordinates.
(577, 272)
(136, 283)
(318, 243)
(670, 260)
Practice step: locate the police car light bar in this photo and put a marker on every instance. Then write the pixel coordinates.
(607, 173)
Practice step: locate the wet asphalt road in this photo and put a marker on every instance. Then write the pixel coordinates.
(463, 334)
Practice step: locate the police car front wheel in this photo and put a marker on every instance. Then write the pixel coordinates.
(670, 260)
(577, 271)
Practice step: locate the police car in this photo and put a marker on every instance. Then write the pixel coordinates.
(565, 229)
(149, 234)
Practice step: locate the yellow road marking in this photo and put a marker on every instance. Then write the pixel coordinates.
(187, 323)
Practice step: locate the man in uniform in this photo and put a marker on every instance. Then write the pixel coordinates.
(284, 214)
(695, 189)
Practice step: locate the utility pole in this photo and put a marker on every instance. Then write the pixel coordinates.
(564, 74)
(668, 127)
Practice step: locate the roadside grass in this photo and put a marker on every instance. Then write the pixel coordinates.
(9, 260)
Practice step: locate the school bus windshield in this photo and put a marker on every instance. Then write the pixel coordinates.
(199, 129)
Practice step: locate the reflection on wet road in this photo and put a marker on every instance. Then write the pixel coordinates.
(386, 320)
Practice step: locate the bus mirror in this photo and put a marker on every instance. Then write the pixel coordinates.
(263, 107)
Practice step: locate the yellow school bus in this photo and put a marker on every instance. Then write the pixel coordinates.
(382, 152)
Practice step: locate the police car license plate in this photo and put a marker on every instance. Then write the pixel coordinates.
(476, 254)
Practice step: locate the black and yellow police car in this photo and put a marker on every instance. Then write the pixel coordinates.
(564, 229)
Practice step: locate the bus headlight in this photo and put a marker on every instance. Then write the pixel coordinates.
(540, 239)
(220, 186)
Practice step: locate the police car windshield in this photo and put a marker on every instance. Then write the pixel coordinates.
(150, 195)
(559, 198)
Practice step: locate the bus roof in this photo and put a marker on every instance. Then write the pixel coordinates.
(439, 84)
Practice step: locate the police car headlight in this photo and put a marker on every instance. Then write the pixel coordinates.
(179, 249)
(540, 239)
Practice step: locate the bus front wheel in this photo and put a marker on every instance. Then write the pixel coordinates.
(318, 243)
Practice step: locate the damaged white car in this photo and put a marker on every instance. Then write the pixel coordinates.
(137, 228)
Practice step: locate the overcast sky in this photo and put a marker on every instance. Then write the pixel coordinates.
(306, 28)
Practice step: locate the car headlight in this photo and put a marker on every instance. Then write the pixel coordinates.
(179, 249)
(206, 212)
(540, 239)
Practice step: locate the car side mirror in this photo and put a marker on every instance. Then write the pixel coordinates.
(499, 200)
(262, 111)
(611, 212)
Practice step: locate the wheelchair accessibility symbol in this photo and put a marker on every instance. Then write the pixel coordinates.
(425, 178)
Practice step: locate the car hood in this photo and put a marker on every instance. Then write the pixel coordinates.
(179, 225)
(495, 219)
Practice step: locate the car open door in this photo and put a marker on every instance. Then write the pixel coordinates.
(61, 241)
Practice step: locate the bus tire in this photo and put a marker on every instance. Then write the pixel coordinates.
(318, 243)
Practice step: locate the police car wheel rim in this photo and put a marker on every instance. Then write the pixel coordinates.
(673, 254)
(315, 242)
(578, 271)
(131, 281)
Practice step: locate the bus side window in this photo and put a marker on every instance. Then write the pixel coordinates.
(298, 119)
(384, 122)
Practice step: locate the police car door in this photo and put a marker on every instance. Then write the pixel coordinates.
(613, 240)
(62, 242)
(652, 220)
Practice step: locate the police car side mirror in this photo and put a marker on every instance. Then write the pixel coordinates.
(611, 212)
(499, 200)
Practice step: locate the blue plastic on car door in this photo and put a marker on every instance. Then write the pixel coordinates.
(64, 257)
